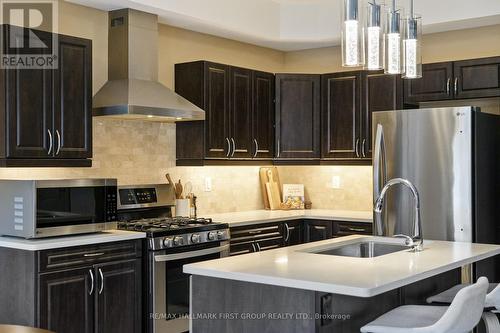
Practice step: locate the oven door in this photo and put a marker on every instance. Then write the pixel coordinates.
(169, 286)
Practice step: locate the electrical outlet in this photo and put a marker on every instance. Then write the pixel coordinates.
(208, 184)
(336, 182)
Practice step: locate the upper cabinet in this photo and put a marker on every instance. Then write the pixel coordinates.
(239, 113)
(297, 117)
(348, 100)
(47, 113)
(477, 78)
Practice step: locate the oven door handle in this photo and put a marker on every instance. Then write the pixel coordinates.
(190, 254)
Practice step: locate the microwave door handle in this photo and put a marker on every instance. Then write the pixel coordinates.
(379, 171)
(190, 254)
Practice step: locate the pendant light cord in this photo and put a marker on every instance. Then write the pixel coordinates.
(412, 8)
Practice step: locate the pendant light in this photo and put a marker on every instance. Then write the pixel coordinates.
(352, 38)
(392, 41)
(374, 40)
(412, 55)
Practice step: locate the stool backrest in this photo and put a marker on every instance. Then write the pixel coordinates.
(466, 309)
(493, 298)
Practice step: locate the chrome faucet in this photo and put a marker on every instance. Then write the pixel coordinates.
(416, 241)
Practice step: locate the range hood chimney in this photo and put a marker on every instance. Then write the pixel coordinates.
(133, 90)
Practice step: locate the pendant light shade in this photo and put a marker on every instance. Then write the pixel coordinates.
(392, 41)
(352, 37)
(412, 55)
(374, 37)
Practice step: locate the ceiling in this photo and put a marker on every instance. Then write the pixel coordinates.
(290, 25)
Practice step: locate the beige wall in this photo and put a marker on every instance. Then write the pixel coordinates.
(151, 154)
(445, 46)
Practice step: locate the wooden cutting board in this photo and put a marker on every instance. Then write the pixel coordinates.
(273, 191)
(264, 179)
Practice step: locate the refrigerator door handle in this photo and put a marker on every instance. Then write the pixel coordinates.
(379, 172)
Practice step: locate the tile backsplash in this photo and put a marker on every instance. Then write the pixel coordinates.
(142, 152)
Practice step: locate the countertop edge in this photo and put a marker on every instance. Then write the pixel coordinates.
(77, 240)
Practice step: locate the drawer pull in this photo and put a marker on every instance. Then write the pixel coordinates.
(357, 229)
(90, 255)
(254, 232)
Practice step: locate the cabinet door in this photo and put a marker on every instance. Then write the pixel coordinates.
(380, 92)
(73, 99)
(435, 84)
(341, 107)
(241, 113)
(67, 301)
(292, 233)
(477, 78)
(118, 291)
(297, 116)
(28, 108)
(217, 140)
(263, 115)
(316, 230)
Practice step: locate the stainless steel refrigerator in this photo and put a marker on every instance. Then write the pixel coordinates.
(452, 156)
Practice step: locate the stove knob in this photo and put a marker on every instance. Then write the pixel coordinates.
(195, 238)
(178, 241)
(212, 235)
(221, 234)
(168, 242)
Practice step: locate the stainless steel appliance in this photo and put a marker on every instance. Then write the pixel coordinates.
(452, 156)
(45, 208)
(171, 244)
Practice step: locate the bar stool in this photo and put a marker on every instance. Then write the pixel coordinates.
(463, 314)
(491, 305)
(21, 329)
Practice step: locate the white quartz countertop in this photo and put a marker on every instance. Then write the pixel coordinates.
(77, 240)
(296, 267)
(263, 216)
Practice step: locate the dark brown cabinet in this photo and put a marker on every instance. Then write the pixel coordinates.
(67, 301)
(475, 78)
(263, 115)
(341, 229)
(256, 238)
(297, 117)
(348, 101)
(293, 233)
(316, 230)
(47, 118)
(81, 289)
(237, 101)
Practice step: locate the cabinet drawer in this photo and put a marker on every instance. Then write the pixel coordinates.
(269, 244)
(255, 233)
(347, 228)
(84, 255)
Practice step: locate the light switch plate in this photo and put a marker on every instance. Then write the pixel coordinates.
(336, 182)
(208, 184)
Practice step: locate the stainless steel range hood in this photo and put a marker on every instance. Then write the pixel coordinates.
(133, 90)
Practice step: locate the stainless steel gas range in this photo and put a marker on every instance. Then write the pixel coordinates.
(171, 243)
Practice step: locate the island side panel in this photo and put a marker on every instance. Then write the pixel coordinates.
(17, 287)
(222, 297)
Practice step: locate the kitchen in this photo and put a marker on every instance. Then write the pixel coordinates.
(140, 152)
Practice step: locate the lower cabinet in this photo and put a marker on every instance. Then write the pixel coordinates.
(82, 289)
(316, 230)
(293, 232)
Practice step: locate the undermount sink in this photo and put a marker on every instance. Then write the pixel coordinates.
(364, 249)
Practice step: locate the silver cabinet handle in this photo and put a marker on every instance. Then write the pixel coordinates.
(51, 142)
(256, 148)
(456, 86)
(228, 147)
(98, 254)
(91, 282)
(234, 146)
(253, 247)
(363, 152)
(279, 148)
(258, 247)
(356, 149)
(356, 229)
(102, 281)
(287, 229)
(58, 142)
(448, 83)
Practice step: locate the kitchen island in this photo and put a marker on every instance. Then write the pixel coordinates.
(299, 289)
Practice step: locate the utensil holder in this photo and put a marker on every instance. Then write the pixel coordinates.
(182, 207)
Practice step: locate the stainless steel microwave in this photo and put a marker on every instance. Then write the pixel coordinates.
(46, 208)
